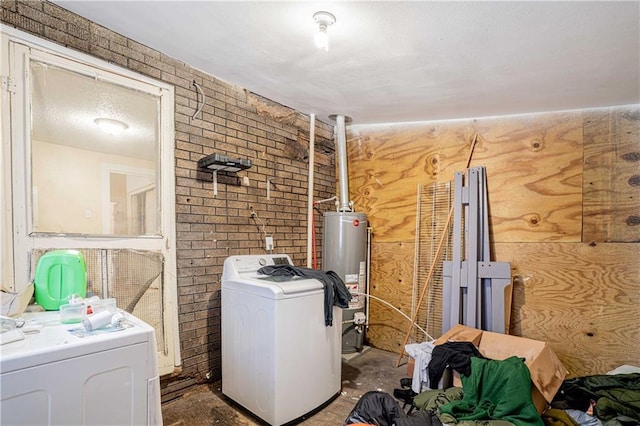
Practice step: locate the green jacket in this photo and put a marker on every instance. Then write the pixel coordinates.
(615, 395)
(496, 390)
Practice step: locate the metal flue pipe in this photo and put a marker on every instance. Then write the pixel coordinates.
(341, 151)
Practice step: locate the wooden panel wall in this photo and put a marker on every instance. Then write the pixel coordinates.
(541, 156)
(560, 185)
(391, 280)
(583, 298)
(612, 176)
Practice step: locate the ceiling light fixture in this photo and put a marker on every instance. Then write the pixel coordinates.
(111, 126)
(323, 19)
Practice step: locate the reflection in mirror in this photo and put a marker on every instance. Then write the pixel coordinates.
(86, 179)
(132, 203)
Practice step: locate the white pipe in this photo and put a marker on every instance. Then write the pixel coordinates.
(368, 272)
(341, 146)
(397, 310)
(312, 137)
(268, 189)
(326, 200)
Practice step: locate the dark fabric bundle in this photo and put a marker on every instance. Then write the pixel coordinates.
(381, 409)
(336, 292)
(614, 395)
(457, 355)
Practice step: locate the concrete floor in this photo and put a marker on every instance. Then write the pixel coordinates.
(372, 369)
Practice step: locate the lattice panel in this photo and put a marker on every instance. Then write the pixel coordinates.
(434, 204)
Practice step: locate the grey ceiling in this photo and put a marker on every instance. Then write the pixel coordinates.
(400, 61)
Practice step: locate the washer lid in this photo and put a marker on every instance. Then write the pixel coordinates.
(56, 342)
(274, 287)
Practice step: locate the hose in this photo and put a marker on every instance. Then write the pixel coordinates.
(396, 309)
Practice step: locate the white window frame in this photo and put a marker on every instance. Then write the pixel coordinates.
(16, 245)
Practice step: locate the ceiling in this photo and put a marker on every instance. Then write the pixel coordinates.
(68, 120)
(400, 61)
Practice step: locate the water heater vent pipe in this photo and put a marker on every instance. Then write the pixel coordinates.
(341, 151)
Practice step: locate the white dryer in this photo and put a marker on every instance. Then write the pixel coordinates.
(279, 360)
(56, 377)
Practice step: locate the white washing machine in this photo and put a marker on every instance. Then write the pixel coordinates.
(55, 377)
(279, 360)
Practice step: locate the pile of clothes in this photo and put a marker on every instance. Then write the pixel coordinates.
(611, 399)
(496, 393)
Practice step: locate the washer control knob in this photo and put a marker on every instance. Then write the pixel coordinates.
(262, 261)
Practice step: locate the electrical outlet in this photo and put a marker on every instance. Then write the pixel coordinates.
(268, 243)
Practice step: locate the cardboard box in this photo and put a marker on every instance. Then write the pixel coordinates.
(411, 364)
(547, 372)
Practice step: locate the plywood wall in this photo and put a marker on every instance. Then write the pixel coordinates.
(564, 209)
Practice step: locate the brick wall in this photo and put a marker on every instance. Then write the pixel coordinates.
(236, 123)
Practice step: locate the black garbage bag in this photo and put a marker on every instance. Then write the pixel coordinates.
(381, 409)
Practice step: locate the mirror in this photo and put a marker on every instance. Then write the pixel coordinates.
(89, 176)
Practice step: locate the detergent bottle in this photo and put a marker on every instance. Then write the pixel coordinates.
(59, 275)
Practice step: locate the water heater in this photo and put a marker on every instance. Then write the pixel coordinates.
(344, 251)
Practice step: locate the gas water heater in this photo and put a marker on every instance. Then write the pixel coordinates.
(344, 251)
(344, 248)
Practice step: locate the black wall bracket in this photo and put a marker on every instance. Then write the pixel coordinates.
(218, 162)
